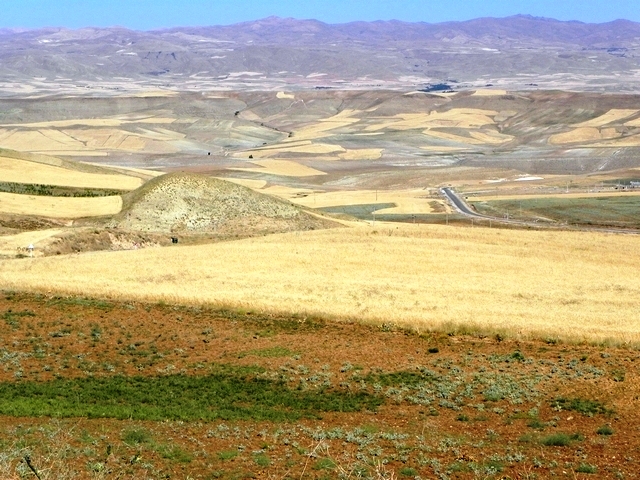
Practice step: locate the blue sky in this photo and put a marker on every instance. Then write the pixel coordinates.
(150, 14)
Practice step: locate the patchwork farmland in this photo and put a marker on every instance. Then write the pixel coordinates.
(270, 285)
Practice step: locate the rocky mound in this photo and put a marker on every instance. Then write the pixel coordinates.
(191, 204)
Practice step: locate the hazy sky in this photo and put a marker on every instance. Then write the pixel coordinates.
(150, 14)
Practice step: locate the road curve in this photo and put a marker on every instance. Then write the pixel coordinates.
(463, 207)
(460, 205)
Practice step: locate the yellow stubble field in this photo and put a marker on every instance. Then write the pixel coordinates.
(411, 201)
(613, 115)
(284, 168)
(9, 244)
(59, 207)
(25, 171)
(571, 285)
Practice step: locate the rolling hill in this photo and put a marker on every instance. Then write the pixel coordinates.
(189, 203)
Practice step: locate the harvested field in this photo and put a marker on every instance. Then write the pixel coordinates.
(73, 153)
(418, 201)
(490, 137)
(91, 122)
(544, 284)
(439, 149)
(451, 137)
(80, 141)
(584, 134)
(114, 139)
(39, 141)
(457, 117)
(489, 93)
(9, 244)
(283, 168)
(631, 141)
(613, 115)
(283, 148)
(325, 125)
(59, 207)
(24, 171)
(362, 154)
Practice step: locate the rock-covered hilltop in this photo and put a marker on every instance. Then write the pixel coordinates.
(189, 203)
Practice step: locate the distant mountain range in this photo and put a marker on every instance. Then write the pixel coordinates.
(520, 52)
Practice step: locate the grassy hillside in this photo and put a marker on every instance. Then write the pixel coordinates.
(190, 203)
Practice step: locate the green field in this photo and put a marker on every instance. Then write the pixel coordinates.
(616, 211)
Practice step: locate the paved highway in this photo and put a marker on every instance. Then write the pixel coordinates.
(460, 205)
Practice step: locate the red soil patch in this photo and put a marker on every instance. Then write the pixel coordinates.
(477, 434)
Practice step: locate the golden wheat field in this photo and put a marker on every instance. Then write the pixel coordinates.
(10, 243)
(24, 171)
(284, 168)
(489, 93)
(562, 284)
(59, 207)
(613, 115)
(94, 138)
(584, 134)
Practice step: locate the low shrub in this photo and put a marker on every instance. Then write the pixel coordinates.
(605, 430)
(580, 405)
(586, 468)
(136, 436)
(560, 439)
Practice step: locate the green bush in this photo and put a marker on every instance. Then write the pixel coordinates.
(227, 454)
(605, 430)
(586, 468)
(536, 423)
(136, 436)
(261, 460)
(173, 452)
(560, 439)
(408, 472)
(580, 405)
